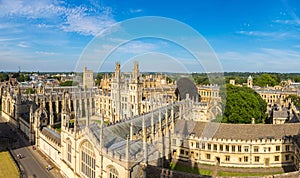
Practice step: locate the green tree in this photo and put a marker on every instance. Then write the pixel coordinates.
(297, 78)
(3, 77)
(29, 91)
(295, 99)
(68, 83)
(23, 78)
(98, 78)
(265, 80)
(243, 104)
(169, 79)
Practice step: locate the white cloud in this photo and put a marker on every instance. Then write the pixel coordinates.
(23, 45)
(45, 53)
(265, 59)
(137, 47)
(264, 34)
(31, 9)
(287, 22)
(135, 10)
(43, 25)
(8, 39)
(79, 19)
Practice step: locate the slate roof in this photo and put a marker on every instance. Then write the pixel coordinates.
(280, 114)
(186, 86)
(52, 135)
(237, 131)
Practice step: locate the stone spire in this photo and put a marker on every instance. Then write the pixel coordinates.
(118, 71)
(127, 156)
(131, 130)
(166, 116)
(101, 131)
(135, 72)
(152, 123)
(159, 120)
(145, 148)
(88, 116)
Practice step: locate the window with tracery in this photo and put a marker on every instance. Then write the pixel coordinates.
(69, 151)
(87, 160)
(112, 173)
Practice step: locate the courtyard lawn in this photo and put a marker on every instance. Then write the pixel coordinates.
(7, 166)
(190, 169)
(57, 127)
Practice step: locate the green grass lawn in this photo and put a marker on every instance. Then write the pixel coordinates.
(57, 127)
(190, 169)
(7, 166)
(99, 122)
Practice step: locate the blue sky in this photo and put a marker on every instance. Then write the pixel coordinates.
(50, 35)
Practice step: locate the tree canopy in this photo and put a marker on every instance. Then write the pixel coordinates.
(29, 91)
(265, 80)
(23, 78)
(243, 104)
(296, 100)
(99, 78)
(3, 77)
(259, 78)
(68, 83)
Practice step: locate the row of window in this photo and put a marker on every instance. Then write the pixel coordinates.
(238, 148)
(272, 96)
(256, 158)
(205, 93)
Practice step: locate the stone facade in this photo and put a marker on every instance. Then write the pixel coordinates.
(120, 129)
(237, 145)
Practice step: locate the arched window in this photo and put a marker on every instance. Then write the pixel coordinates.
(112, 172)
(69, 150)
(87, 160)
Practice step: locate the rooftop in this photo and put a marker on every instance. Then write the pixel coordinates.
(236, 131)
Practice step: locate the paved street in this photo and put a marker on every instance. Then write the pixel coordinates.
(33, 163)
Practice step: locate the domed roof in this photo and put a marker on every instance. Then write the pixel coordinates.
(186, 86)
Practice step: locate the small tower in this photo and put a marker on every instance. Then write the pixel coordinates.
(232, 82)
(116, 94)
(135, 87)
(88, 79)
(250, 82)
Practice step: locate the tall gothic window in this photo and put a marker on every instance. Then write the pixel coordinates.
(87, 160)
(69, 151)
(112, 172)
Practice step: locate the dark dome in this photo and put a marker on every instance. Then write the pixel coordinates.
(186, 86)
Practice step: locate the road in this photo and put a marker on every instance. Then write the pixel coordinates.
(30, 164)
(33, 163)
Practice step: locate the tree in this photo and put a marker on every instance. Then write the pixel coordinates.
(203, 80)
(3, 77)
(169, 79)
(295, 99)
(23, 78)
(68, 83)
(265, 80)
(99, 78)
(297, 78)
(29, 91)
(243, 104)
